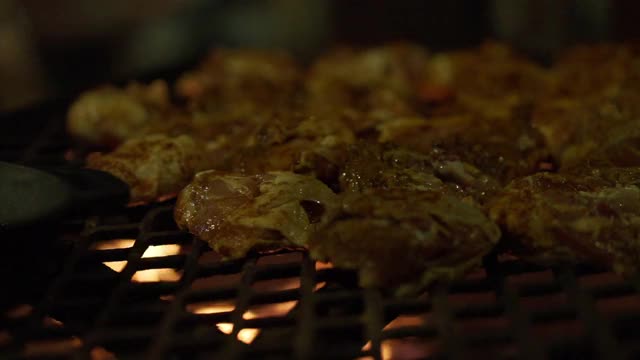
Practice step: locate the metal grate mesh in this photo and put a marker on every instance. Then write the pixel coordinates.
(175, 298)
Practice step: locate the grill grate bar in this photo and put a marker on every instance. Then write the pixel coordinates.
(306, 314)
(159, 347)
(234, 348)
(444, 323)
(520, 323)
(494, 314)
(119, 292)
(53, 293)
(599, 329)
(374, 323)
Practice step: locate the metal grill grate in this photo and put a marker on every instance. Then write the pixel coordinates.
(283, 305)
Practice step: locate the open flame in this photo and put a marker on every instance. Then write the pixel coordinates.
(246, 335)
(149, 275)
(403, 348)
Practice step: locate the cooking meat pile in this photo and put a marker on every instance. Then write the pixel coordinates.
(405, 165)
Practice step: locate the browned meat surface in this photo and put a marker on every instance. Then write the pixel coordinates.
(154, 165)
(388, 155)
(404, 239)
(236, 213)
(490, 71)
(592, 217)
(363, 88)
(231, 83)
(484, 117)
(593, 102)
(575, 129)
(370, 166)
(303, 144)
(108, 116)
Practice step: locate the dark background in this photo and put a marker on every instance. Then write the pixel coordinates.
(54, 48)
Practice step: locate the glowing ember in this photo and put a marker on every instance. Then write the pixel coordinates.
(149, 275)
(156, 275)
(161, 250)
(404, 348)
(405, 320)
(244, 335)
(247, 335)
(277, 284)
(323, 265)
(100, 353)
(116, 266)
(114, 244)
(226, 328)
(386, 350)
(49, 347)
(210, 307)
(268, 310)
(51, 322)
(260, 311)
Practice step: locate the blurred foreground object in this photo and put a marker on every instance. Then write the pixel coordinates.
(21, 76)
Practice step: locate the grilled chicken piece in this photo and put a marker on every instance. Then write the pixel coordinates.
(484, 117)
(153, 166)
(236, 213)
(592, 102)
(504, 147)
(229, 94)
(592, 217)
(305, 145)
(237, 82)
(405, 239)
(367, 87)
(490, 71)
(108, 116)
(574, 73)
(371, 166)
(576, 129)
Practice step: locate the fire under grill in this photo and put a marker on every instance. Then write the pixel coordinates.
(131, 285)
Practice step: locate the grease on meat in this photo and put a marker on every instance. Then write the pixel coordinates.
(153, 166)
(371, 166)
(236, 213)
(405, 239)
(485, 117)
(591, 217)
(585, 110)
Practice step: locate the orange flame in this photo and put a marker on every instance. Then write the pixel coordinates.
(149, 275)
(403, 348)
(323, 265)
(246, 335)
